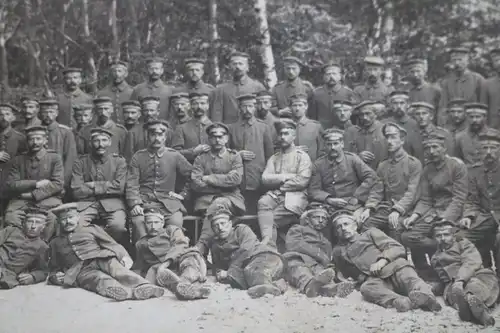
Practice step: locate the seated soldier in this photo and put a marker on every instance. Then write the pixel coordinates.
(23, 254)
(309, 257)
(378, 263)
(163, 252)
(287, 175)
(216, 179)
(240, 260)
(468, 287)
(98, 183)
(395, 190)
(87, 257)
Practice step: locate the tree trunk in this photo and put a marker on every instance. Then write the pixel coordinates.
(266, 51)
(387, 29)
(4, 66)
(92, 79)
(214, 42)
(134, 27)
(374, 35)
(114, 30)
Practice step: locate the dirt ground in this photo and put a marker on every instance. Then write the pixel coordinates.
(49, 309)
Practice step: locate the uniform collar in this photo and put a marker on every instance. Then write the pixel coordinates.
(52, 126)
(34, 122)
(398, 156)
(75, 93)
(203, 121)
(109, 124)
(337, 160)
(484, 129)
(7, 132)
(197, 85)
(335, 88)
(429, 129)
(159, 153)
(304, 120)
(464, 77)
(441, 164)
(375, 85)
(38, 156)
(183, 120)
(420, 86)
(242, 81)
(120, 87)
(293, 83)
(372, 128)
(219, 155)
(155, 84)
(99, 159)
(250, 121)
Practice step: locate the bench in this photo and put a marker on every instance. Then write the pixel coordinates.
(197, 219)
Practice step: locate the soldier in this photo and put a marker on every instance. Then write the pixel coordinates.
(467, 144)
(191, 138)
(421, 90)
(373, 89)
(367, 140)
(164, 252)
(151, 180)
(241, 261)
(492, 87)
(308, 254)
(443, 188)
(88, 258)
(104, 110)
(480, 217)
(60, 137)
(131, 114)
(216, 178)
(98, 184)
(292, 85)
(343, 112)
(340, 179)
(224, 106)
(321, 108)
(395, 191)
(378, 264)
(286, 175)
(71, 95)
(23, 254)
(155, 86)
(468, 287)
(424, 115)
(83, 114)
(181, 109)
(456, 118)
(35, 179)
(29, 113)
(308, 133)
(252, 138)
(118, 90)
(194, 69)
(263, 110)
(461, 83)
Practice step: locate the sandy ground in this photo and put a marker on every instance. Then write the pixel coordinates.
(49, 309)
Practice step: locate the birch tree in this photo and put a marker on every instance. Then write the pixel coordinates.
(265, 48)
(213, 58)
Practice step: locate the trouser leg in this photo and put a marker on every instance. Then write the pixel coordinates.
(265, 215)
(379, 291)
(263, 269)
(124, 276)
(92, 278)
(115, 225)
(138, 228)
(298, 274)
(483, 237)
(193, 269)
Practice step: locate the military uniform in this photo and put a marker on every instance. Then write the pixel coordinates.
(62, 141)
(424, 133)
(79, 141)
(189, 135)
(21, 126)
(21, 254)
(308, 133)
(282, 92)
(412, 132)
(373, 92)
(104, 200)
(455, 131)
(467, 146)
(151, 180)
(224, 105)
(321, 107)
(158, 89)
(66, 101)
(118, 93)
(13, 143)
(492, 99)
(371, 139)
(426, 92)
(119, 136)
(199, 87)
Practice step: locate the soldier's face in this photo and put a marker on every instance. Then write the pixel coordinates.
(292, 71)
(119, 73)
(36, 142)
(131, 115)
(416, 74)
(459, 61)
(6, 117)
(476, 121)
(154, 225)
(298, 108)
(100, 144)
(155, 70)
(343, 113)
(69, 221)
(423, 117)
(456, 115)
(239, 66)
(222, 227)
(218, 141)
(334, 146)
(393, 138)
(30, 110)
(73, 80)
(332, 76)
(104, 111)
(150, 112)
(247, 109)
(490, 152)
(157, 138)
(264, 104)
(434, 151)
(181, 107)
(33, 227)
(346, 228)
(286, 137)
(367, 116)
(318, 220)
(444, 237)
(194, 72)
(496, 61)
(373, 72)
(399, 106)
(48, 115)
(83, 117)
(200, 106)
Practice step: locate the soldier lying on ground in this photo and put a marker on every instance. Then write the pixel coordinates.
(163, 253)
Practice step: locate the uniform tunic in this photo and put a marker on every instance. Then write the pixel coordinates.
(309, 134)
(199, 87)
(374, 92)
(368, 139)
(62, 141)
(321, 108)
(189, 135)
(13, 143)
(118, 93)
(492, 99)
(117, 140)
(426, 92)
(424, 133)
(285, 89)
(137, 139)
(159, 89)
(467, 146)
(412, 132)
(67, 100)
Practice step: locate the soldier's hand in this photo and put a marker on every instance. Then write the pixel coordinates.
(465, 223)
(25, 279)
(221, 275)
(377, 267)
(60, 277)
(336, 202)
(367, 156)
(357, 215)
(4, 156)
(91, 184)
(42, 183)
(201, 149)
(137, 210)
(176, 196)
(364, 215)
(394, 220)
(407, 222)
(247, 155)
(305, 149)
(127, 262)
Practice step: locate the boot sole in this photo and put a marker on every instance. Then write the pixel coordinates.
(147, 292)
(188, 291)
(464, 311)
(117, 293)
(342, 289)
(424, 301)
(166, 278)
(480, 311)
(263, 289)
(323, 278)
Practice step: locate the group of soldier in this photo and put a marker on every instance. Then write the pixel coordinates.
(345, 185)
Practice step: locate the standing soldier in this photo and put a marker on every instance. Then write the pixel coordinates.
(322, 100)
(421, 90)
(467, 146)
(443, 190)
(373, 89)
(131, 114)
(191, 138)
(29, 113)
(60, 137)
(292, 85)
(492, 87)
(263, 109)
(343, 111)
(118, 90)
(194, 69)
(252, 138)
(35, 179)
(98, 184)
(103, 110)
(155, 86)
(224, 106)
(456, 118)
(461, 83)
(151, 180)
(71, 95)
(180, 109)
(83, 114)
